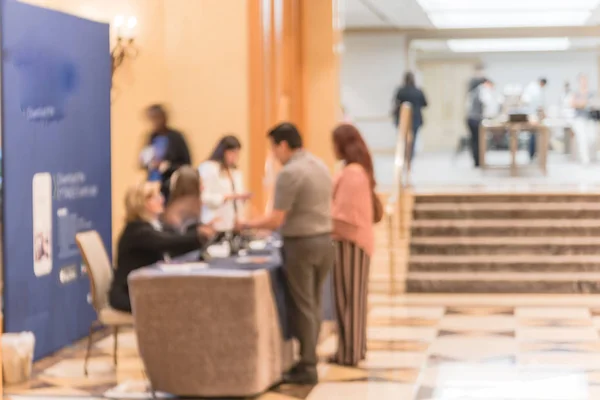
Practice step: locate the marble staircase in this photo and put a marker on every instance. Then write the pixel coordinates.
(505, 243)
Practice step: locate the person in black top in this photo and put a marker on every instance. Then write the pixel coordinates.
(144, 242)
(176, 152)
(409, 92)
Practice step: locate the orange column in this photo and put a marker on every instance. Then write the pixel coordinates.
(294, 76)
(259, 15)
(320, 75)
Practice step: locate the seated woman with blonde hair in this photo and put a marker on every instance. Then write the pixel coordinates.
(144, 242)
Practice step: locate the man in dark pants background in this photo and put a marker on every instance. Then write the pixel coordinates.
(302, 208)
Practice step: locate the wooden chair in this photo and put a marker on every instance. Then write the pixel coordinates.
(100, 272)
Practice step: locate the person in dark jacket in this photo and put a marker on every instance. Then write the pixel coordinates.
(409, 92)
(144, 242)
(170, 143)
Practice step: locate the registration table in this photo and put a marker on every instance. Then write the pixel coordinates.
(513, 129)
(213, 330)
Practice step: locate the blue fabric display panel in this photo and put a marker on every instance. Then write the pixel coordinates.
(56, 72)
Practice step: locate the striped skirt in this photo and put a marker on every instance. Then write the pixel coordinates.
(350, 288)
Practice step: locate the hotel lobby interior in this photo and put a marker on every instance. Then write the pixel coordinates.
(484, 283)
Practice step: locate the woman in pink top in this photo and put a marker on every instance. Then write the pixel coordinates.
(352, 213)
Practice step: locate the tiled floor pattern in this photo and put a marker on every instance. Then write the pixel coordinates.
(416, 351)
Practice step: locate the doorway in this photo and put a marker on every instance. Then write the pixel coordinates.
(445, 85)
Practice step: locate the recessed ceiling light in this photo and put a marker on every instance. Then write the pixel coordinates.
(508, 45)
(456, 20)
(512, 5)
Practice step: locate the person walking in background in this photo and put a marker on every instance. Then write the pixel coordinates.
(167, 149)
(409, 93)
(477, 100)
(302, 209)
(534, 98)
(584, 126)
(355, 207)
(477, 77)
(223, 194)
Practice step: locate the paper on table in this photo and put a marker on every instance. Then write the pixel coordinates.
(187, 267)
(257, 245)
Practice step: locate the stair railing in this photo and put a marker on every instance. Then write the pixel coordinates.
(395, 203)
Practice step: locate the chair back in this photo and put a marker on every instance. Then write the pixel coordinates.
(99, 267)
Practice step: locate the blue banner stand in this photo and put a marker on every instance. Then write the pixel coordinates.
(56, 79)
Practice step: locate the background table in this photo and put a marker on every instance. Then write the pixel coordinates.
(513, 129)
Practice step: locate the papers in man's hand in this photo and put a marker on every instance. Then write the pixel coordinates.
(147, 155)
(186, 267)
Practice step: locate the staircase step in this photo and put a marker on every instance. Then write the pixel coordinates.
(507, 211)
(494, 246)
(506, 197)
(502, 263)
(491, 282)
(506, 227)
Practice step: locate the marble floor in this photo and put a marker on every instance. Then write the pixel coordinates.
(446, 172)
(420, 347)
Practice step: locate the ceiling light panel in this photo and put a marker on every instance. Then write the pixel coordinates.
(508, 5)
(456, 20)
(508, 45)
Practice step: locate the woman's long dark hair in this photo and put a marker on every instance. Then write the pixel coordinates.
(351, 148)
(228, 142)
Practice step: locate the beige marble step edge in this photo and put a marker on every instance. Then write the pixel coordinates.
(504, 276)
(470, 192)
(513, 240)
(511, 259)
(505, 223)
(562, 206)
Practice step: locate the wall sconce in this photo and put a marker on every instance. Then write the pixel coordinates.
(125, 47)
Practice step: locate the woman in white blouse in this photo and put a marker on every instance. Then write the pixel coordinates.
(223, 192)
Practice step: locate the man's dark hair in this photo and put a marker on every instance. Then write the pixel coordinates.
(543, 81)
(286, 132)
(409, 79)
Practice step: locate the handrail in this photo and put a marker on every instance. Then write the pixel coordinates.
(395, 202)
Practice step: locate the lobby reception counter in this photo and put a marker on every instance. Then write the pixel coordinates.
(209, 332)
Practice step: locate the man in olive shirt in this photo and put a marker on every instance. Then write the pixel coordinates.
(302, 209)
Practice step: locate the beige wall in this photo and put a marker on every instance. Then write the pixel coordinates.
(190, 60)
(206, 50)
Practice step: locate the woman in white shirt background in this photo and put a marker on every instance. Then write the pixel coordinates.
(223, 192)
